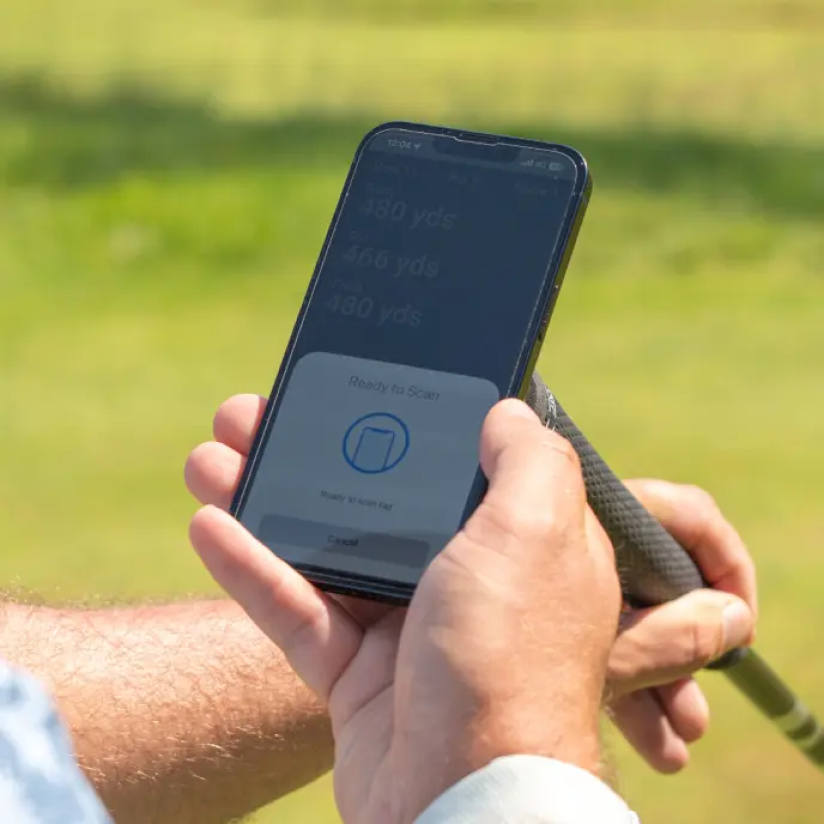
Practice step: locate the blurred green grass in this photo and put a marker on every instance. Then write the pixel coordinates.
(167, 173)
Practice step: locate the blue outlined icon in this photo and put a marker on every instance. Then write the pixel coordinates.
(376, 443)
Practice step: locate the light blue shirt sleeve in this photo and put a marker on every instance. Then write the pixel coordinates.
(40, 781)
(528, 789)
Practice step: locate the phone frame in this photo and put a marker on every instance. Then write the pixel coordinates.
(364, 586)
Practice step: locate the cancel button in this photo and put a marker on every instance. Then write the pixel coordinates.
(375, 546)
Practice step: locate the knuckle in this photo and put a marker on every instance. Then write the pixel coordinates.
(512, 520)
(556, 443)
(553, 450)
(623, 672)
(305, 630)
(705, 640)
(703, 501)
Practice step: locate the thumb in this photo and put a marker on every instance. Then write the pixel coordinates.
(662, 644)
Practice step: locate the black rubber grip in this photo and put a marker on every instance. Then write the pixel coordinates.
(652, 566)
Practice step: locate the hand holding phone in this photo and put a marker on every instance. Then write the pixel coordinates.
(420, 698)
(428, 304)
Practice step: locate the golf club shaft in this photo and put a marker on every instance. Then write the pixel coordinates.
(759, 682)
(654, 568)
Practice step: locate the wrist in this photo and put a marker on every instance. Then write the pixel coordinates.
(567, 734)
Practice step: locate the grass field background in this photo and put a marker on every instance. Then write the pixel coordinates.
(167, 173)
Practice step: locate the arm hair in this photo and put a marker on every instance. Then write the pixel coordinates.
(179, 713)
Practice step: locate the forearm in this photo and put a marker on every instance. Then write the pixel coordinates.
(179, 713)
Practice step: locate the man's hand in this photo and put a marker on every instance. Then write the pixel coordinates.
(503, 650)
(656, 704)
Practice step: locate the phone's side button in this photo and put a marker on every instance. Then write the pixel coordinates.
(542, 330)
(553, 299)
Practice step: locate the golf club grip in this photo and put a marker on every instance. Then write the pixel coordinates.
(652, 566)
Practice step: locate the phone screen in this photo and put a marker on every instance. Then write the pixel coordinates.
(414, 327)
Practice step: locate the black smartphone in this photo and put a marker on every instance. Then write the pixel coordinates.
(428, 304)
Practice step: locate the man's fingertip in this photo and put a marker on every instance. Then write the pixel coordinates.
(504, 420)
(507, 415)
(190, 468)
(738, 625)
(204, 519)
(674, 761)
(517, 408)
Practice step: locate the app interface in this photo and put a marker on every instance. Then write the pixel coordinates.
(412, 333)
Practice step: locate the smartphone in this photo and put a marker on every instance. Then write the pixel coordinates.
(428, 304)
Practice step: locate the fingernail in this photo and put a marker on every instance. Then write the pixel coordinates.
(737, 625)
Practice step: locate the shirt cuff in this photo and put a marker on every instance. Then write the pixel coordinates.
(528, 789)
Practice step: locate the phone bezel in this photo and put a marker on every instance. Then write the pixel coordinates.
(364, 586)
